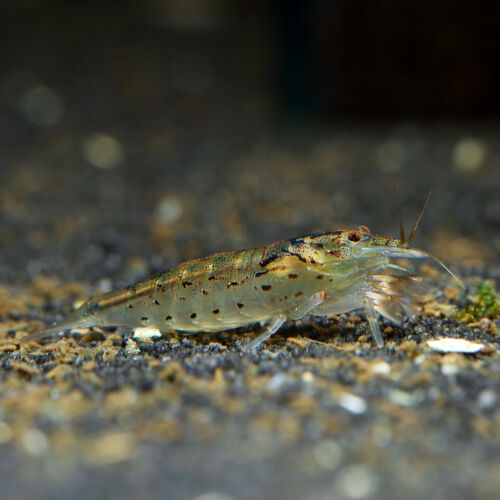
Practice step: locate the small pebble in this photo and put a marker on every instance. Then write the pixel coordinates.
(277, 381)
(357, 481)
(485, 324)
(146, 332)
(103, 151)
(327, 454)
(407, 399)
(469, 154)
(449, 369)
(131, 347)
(352, 403)
(381, 368)
(104, 285)
(35, 442)
(487, 399)
(454, 345)
(169, 210)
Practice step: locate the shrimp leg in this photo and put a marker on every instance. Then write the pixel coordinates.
(273, 326)
(309, 305)
(277, 322)
(372, 317)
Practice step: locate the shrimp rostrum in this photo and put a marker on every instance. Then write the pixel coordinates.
(320, 274)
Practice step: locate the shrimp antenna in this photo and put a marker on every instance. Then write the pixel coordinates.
(446, 268)
(419, 218)
(401, 227)
(400, 213)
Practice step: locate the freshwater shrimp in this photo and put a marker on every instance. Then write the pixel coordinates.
(321, 274)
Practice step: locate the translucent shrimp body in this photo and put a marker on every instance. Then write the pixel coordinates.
(320, 274)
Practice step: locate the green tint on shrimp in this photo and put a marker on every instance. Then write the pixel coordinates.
(320, 274)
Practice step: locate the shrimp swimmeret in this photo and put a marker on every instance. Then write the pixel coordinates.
(320, 274)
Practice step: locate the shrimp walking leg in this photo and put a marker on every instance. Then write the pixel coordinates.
(275, 324)
(270, 329)
(309, 305)
(372, 317)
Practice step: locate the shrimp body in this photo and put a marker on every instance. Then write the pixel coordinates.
(320, 274)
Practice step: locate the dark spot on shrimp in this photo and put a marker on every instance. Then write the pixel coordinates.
(182, 299)
(216, 311)
(130, 306)
(319, 277)
(193, 315)
(293, 276)
(144, 318)
(299, 294)
(168, 318)
(240, 305)
(157, 303)
(211, 278)
(258, 275)
(286, 297)
(232, 283)
(266, 288)
(186, 283)
(204, 292)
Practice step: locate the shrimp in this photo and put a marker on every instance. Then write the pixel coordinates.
(321, 274)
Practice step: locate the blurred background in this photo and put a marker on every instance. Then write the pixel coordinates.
(135, 135)
(168, 129)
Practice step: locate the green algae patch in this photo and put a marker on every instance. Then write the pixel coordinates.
(483, 304)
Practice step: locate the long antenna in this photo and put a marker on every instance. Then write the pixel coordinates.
(414, 230)
(401, 227)
(400, 213)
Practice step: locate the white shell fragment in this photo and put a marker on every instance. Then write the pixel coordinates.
(352, 403)
(146, 332)
(454, 345)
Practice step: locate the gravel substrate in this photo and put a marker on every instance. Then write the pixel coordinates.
(317, 412)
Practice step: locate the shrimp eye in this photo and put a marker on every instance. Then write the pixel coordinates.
(354, 236)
